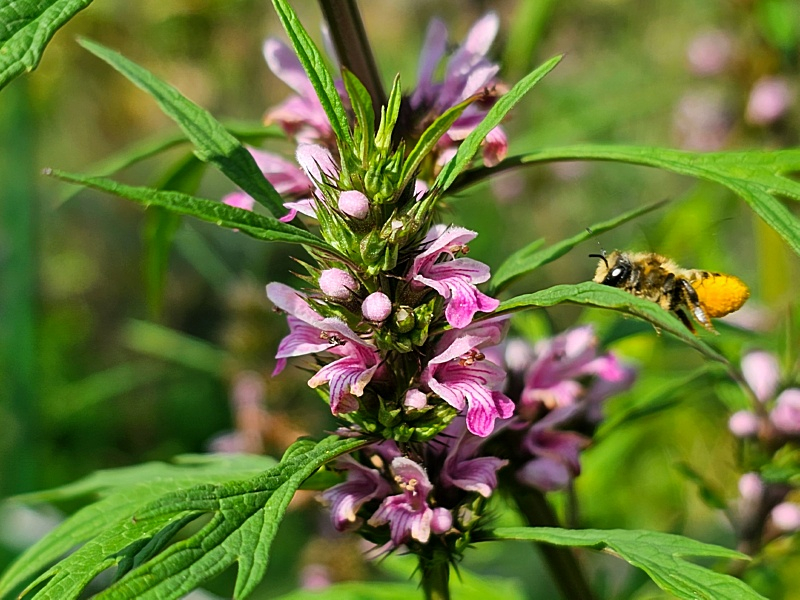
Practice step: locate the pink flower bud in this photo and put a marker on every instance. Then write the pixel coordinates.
(751, 487)
(354, 204)
(376, 307)
(337, 284)
(786, 414)
(441, 520)
(415, 399)
(710, 53)
(786, 516)
(769, 100)
(743, 424)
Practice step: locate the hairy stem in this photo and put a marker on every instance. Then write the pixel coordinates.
(352, 46)
(435, 570)
(564, 567)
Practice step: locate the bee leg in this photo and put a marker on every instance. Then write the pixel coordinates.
(693, 302)
(685, 320)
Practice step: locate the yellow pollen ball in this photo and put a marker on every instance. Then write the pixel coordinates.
(721, 294)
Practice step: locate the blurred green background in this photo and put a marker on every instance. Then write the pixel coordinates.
(103, 364)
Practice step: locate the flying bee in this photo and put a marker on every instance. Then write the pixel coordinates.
(704, 294)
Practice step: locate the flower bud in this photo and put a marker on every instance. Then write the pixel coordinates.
(337, 284)
(751, 487)
(785, 516)
(376, 307)
(354, 204)
(743, 424)
(786, 414)
(769, 100)
(404, 319)
(441, 521)
(415, 399)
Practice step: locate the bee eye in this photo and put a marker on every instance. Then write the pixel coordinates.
(616, 272)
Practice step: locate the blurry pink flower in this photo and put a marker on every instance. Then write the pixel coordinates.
(301, 116)
(467, 73)
(462, 468)
(744, 424)
(702, 121)
(769, 100)
(786, 413)
(751, 487)
(761, 372)
(556, 378)
(710, 52)
(786, 516)
(454, 279)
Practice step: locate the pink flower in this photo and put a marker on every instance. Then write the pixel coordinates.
(769, 100)
(462, 469)
(556, 457)
(301, 116)
(710, 53)
(454, 279)
(462, 377)
(310, 333)
(408, 513)
(786, 413)
(467, 73)
(761, 372)
(556, 378)
(346, 499)
(337, 284)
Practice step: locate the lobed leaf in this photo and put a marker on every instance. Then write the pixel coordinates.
(469, 147)
(26, 27)
(530, 257)
(590, 293)
(660, 555)
(244, 519)
(121, 492)
(213, 143)
(314, 65)
(759, 177)
(261, 227)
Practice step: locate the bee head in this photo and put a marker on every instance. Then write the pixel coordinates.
(612, 269)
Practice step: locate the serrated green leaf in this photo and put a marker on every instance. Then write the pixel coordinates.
(590, 293)
(26, 26)
(660, 555)
(211, 140)
(244, 519)
(314, 66)
(469, 147)
(428, 140)
(261, 227)
(759, 177)
(121, 492)
(529, 258)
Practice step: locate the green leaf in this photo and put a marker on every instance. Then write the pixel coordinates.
(121, 492)
(389, 114)
(244, 517)
(530, 258)
(590, 293)
(26, 26)
(468, 148)
(660, 555)
(759, 177)
(261, 227)
(212, 141)
(365, 114)
(149, 148)
(427, 141)
(314, 65)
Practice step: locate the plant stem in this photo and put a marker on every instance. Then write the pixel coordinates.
(564, 567)
(435, 570)
(352, 47)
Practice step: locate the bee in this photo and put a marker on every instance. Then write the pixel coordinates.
(704, 294)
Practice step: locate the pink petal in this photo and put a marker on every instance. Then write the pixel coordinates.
(283, 62)
(317, 161)
(239, 200)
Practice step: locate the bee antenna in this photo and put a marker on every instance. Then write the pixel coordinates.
(601, 257)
